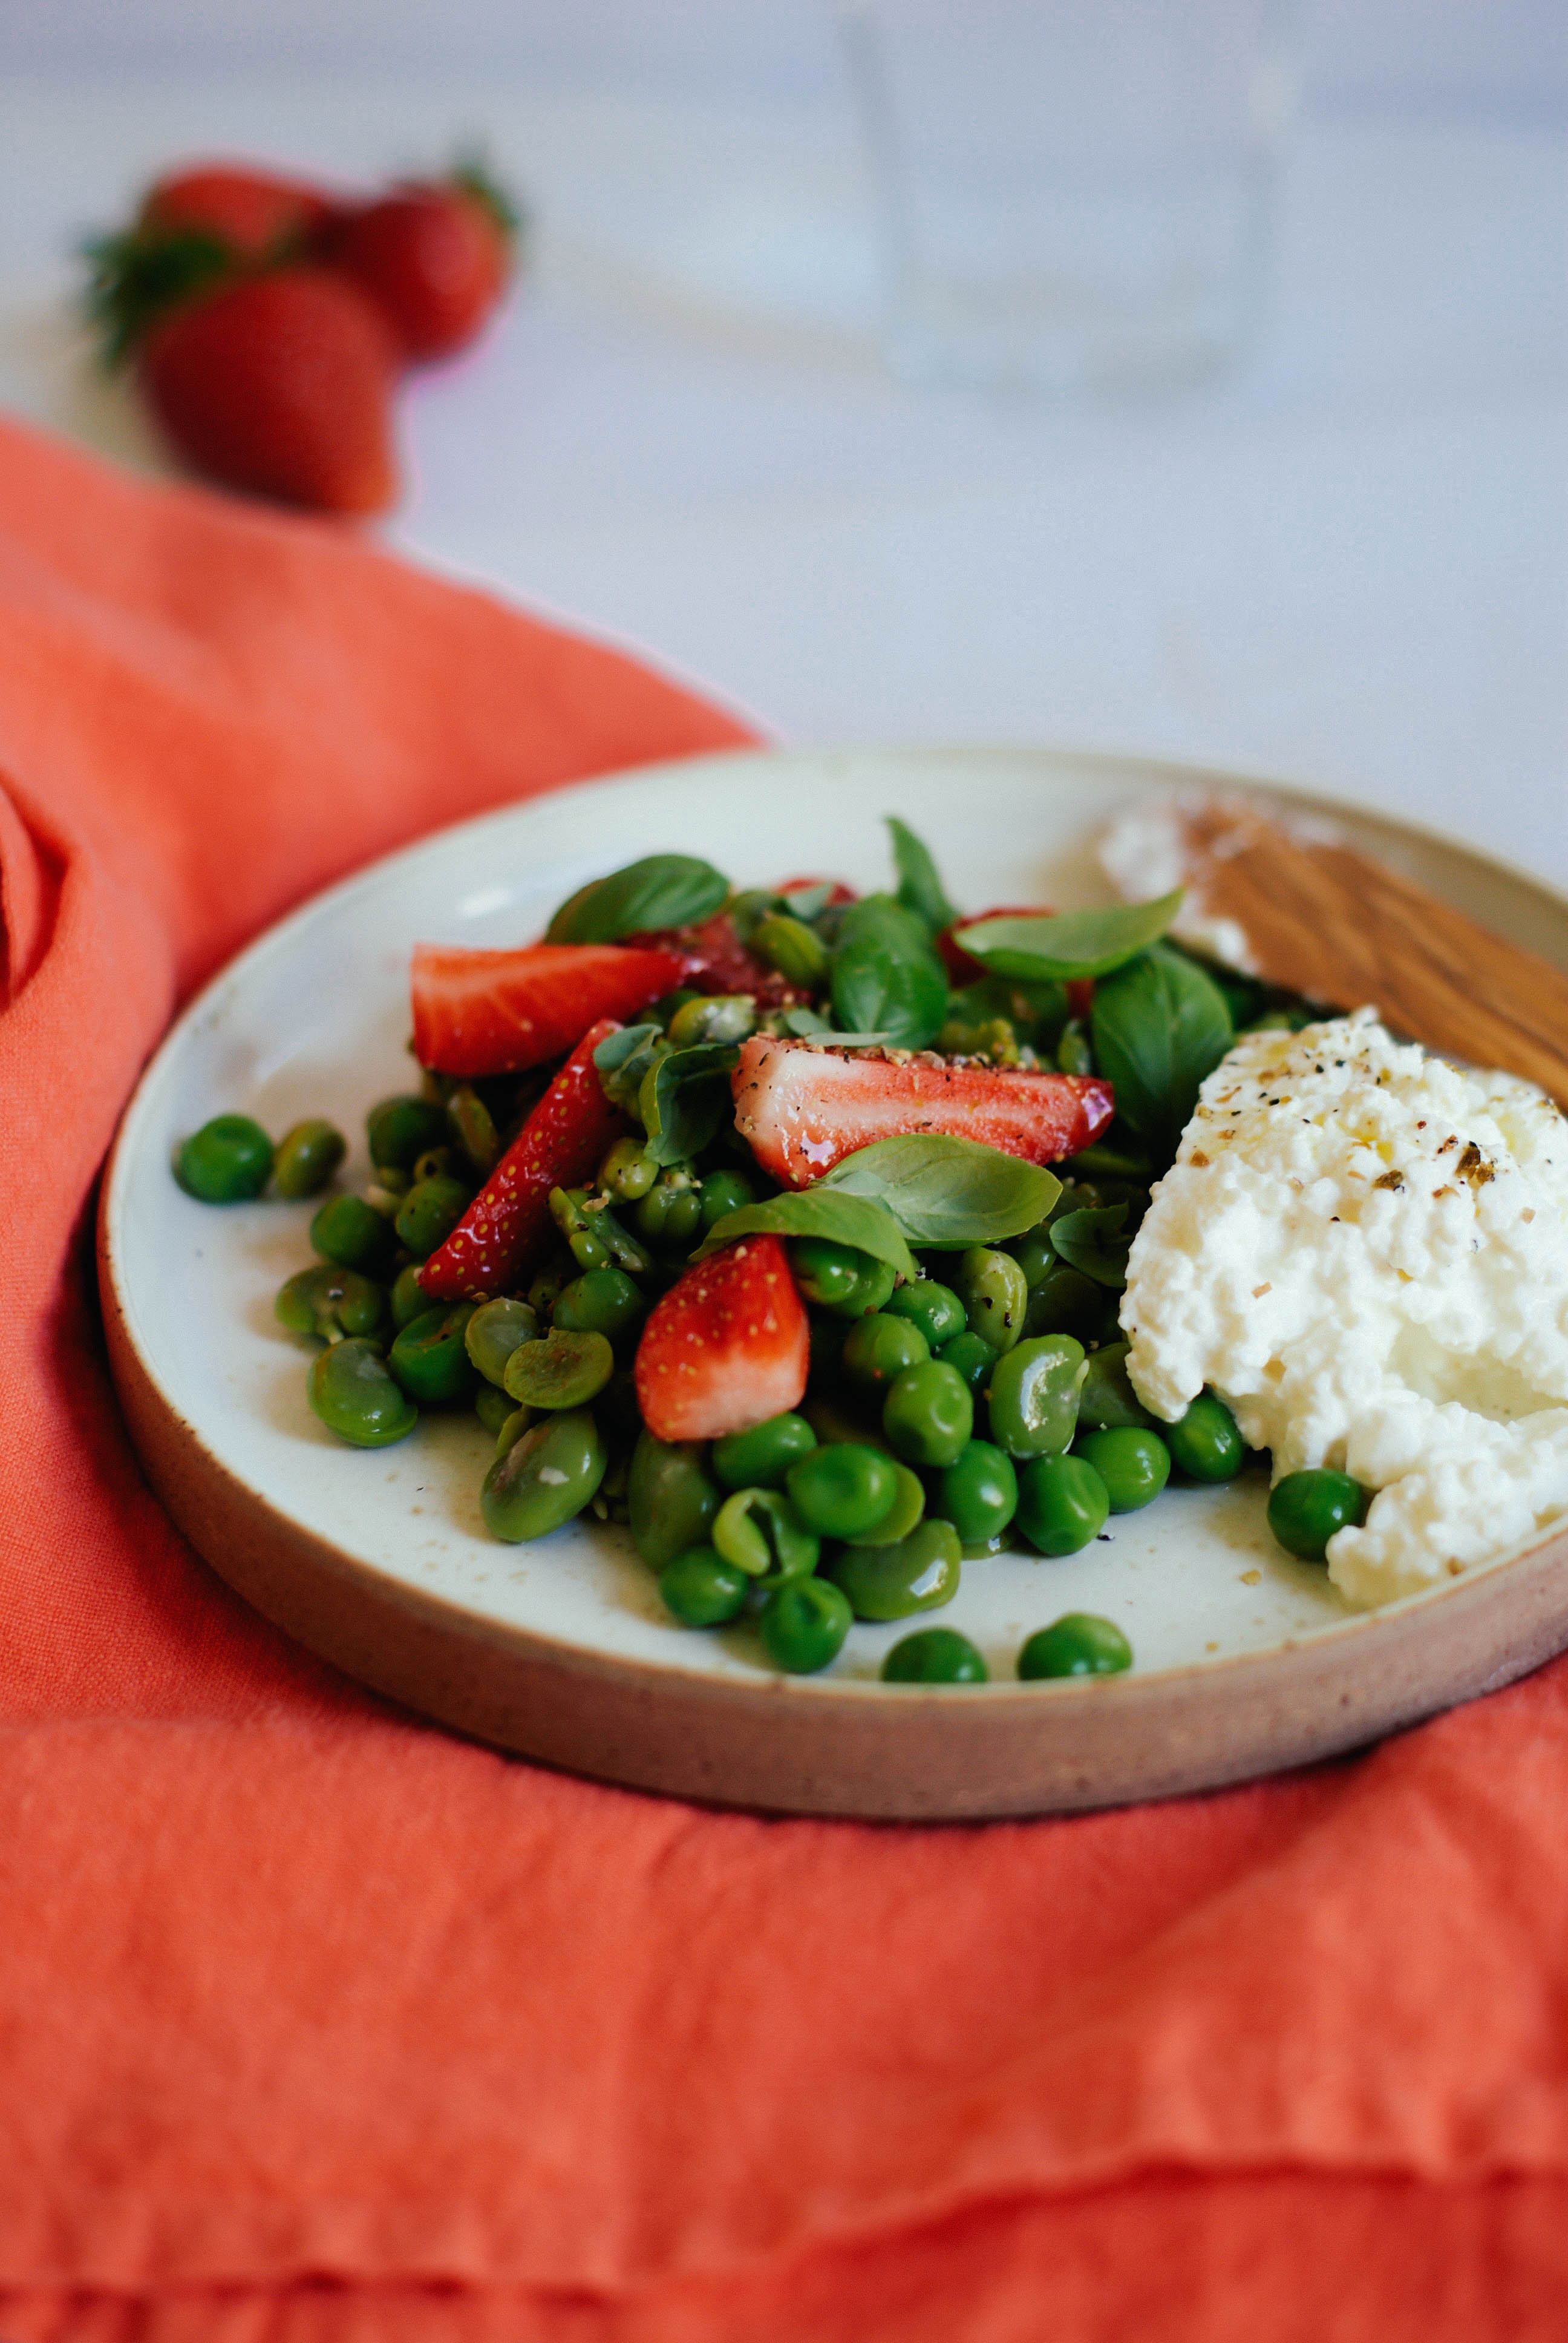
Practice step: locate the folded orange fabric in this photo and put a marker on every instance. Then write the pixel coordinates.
(316, 2022)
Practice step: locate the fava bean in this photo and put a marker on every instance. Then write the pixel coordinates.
(670, 1217)
(1108, 1402)
(352, 1389)
(227, 1161)
(430, 1358)
(891, 1582)
(1034, 1391)
(494, 1331)
(600, 1302)
(306, 1158)
(713, 1017)
(329, 1303)
(934, 1655)
(548, 1283)
(1063, 1503)
(670, 1501)
(796, 950)
(494, 1409)
(479, 1141)
(762, 1534)
(995, 1297)
(760, 1457)
(1076, 1645)
(429, 1213)
(354, 1234)
(562, 1371)
(544, 1478)
(905, 1513)
(928, 1414)
(628, 1172)
(409, 1299)
(400, 1129)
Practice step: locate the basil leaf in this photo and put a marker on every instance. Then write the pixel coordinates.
(886, 978)
(920, 889)
(691, 1099)
(1160, 1028)
(1069, 943)
(807, 903)
(1090, 1242)
(947, 1194)
(662, 890)
(821, 1211)
(623, 1059)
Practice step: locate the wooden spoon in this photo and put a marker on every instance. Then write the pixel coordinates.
(1346, 930)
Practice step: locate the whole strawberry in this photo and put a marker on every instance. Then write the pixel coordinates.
(258, 216)
(433, 257)
(281, 383)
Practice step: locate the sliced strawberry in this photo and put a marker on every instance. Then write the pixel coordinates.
(726, 1347)
(714, 959)
(506, 1226)
(804, 1109)
(964, 969)
(496, 1013)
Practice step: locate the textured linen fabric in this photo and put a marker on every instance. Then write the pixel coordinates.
(318, 2024)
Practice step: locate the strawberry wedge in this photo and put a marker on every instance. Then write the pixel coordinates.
(727, 1346)
(497, 1012)
(506, 1226)
(804, 1109)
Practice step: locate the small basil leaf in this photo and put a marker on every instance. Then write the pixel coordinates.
(1160, 1028)
(623, 1059)
(1090, 1242)
(689, 1099)
(920, 891)
(1069, 943)
(821, 1211)
(662, 890)
(886, 978)
(807, 903)
(947, 1194)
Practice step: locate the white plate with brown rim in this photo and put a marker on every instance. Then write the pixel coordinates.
(1244, 1660)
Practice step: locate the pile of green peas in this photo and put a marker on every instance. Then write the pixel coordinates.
(985, 1405)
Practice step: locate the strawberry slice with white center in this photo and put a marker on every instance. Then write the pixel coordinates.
(804, 1109)
(507, 1225)
(497, 1012)
(727, 1346)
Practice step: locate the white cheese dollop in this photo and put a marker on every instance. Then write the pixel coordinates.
(1365, 1251)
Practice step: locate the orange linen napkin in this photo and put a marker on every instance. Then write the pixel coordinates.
(318, 2024)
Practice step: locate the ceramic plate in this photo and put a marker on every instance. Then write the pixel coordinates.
(1245, 1660)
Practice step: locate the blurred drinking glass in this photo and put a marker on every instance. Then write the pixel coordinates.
(1073, 193)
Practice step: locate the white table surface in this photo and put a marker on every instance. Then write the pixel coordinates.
(1347, 564)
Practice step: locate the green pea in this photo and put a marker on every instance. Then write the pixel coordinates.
(352, 1390)
(671, 1502)
(874, 1291)
(979, 1492)
(841, 1490)
(429, 1213)
(478, 1139)
(430, 1359)
(227, 1161)
(1205, 1442)
(549, 1284)
(1076, 1645)
(935, 1309)
(1061, 1504)
(762, 1534)
(544, 1478)
(1307, 1509)
(562, 1371)
(722, 1192)
(599, 1301)
(905, 1514)
(972, 1357)
(702, 1589)
(628, 1171)
(494, 1331)
(991, 1287)
(1035, 1256)
(1073, 1054)
(749, 908)
(1034, 1395)
(670, 1215)
(796, 950)
(928, 1414)
(713, 1017)
(329, 1303)
(759, 1458)
(878, 1348)
(803, 1624)
(1108, 1402)
(1065, 1301)
(306, 1158)
(580, 1230)
(840, 1278)
(934, 1655)
(436, 1163)
(495, 1410)
(400, 1129)
(353, 1233)
(891, 1582)
(1133, 1463)
(409, 1299)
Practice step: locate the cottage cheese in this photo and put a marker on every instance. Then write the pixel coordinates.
(1365, 1251)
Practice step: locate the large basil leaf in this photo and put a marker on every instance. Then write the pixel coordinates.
(662, 890)
(688, 1100)
(821, 1211)
(1092, 1243)
(947, 1194)
(1069, 943)
(886, 978)
(1160, 1028)
(920, 891)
